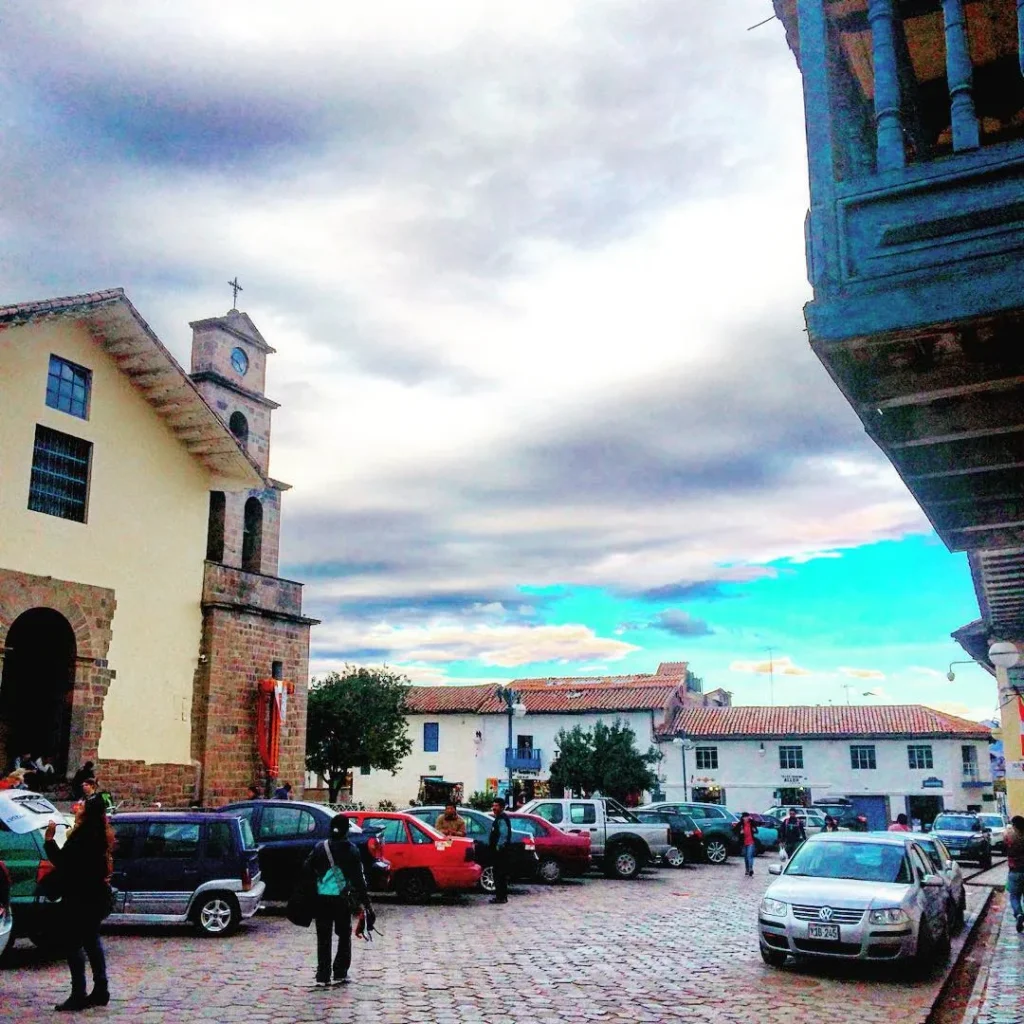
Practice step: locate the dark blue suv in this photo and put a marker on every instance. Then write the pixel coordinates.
(174, 867)
(287, 830)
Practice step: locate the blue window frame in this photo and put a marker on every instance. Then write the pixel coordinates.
(68, 386)
(431, 737)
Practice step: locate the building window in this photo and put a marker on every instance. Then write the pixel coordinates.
(707, 758)
(215, 528)
(364, 770)
(60, 475)
(68, 387)
(239, 426)
(969, 756)
(862, 755)
(252, 536)
(919, 756)
(431, 737)
(791, 757)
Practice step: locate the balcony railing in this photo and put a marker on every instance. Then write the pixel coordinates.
(522, 758)
(972, 776)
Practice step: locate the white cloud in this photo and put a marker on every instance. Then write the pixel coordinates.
(976, 713)
(777, 666)
(861, 673)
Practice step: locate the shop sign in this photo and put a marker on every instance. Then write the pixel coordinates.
(932, 782)
(793, 780)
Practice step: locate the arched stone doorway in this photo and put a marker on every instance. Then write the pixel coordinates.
(37, 687)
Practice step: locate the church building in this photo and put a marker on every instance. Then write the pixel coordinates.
(140, 606)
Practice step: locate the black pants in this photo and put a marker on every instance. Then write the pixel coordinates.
(84, 941)
(332, 913)
(499, 858)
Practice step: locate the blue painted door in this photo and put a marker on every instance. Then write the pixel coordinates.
(873, 808)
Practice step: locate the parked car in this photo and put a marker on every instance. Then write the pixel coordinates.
(422, 860)
(185, 867)
(620, 844)
(946, 868)
(523, 860)
(687, 838)
(965, 836)
(855, 895)
(844, 812)
(24, 816)
(561, 854)
(715, 823)
(5, 902)
(287, 831)
(812, 818)
(998, 825)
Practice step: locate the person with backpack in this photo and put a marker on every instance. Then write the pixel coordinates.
(791, 833)
(337, 872)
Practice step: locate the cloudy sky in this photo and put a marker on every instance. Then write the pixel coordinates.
(534, 273)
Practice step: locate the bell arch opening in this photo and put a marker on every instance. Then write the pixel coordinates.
(37, 687)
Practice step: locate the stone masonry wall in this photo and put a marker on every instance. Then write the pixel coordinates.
(137, 784)
(240, 648)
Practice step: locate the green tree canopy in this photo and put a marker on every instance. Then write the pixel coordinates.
(356, 718)
(604, 759)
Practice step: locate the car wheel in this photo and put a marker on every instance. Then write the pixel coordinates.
(623, 863)
(416, 886)
(486, 883)
(550, 871)
(46, 942)
(674, 857)
(773, 957)
(758, 847)
(217, 914)
(716, 851)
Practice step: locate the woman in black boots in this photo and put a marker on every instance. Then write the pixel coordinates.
(84, 866)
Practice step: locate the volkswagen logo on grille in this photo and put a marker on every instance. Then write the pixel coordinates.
(825, 913)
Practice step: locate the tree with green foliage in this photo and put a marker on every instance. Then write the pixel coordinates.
(604, 759)
(356, 718)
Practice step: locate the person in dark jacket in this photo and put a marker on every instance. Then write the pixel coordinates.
(1015, 868)
(84, 866)
(333, 905)
(87, 771)
(499, 843)
(792, 832)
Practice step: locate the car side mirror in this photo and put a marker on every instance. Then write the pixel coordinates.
(774, 869)
(931, 882)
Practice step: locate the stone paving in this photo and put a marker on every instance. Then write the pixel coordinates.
(1000, 991)
(671, 945)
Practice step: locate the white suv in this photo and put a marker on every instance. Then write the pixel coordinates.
(813, 821)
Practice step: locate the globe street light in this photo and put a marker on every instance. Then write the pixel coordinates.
(514, 708)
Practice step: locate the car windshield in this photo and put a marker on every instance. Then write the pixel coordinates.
(248, 843)
(952, 824)
(863, 862)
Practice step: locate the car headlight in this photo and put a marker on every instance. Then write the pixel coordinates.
(774, 908)
(888, 915)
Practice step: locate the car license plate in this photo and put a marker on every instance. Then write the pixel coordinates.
(823, 931)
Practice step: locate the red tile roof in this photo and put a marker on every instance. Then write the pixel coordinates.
(829, 721)
(560, 699)
(431, 700)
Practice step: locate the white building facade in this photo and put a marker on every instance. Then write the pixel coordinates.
(886, 760)
(460, 734)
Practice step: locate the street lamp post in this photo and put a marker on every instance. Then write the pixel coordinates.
(514, 708)
(685, 743)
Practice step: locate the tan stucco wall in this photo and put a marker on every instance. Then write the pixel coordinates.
(145, 537)
(1011, 730)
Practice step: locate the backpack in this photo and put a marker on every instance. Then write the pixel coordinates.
(333, 881)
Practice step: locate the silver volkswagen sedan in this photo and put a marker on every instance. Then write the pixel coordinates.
(855, 896)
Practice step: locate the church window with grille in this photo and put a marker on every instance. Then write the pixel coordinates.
(239, 426)
(68, 386)
(252, 536)
(59, 485)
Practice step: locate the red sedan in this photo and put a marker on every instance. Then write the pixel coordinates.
(560, 853)
(422, 859)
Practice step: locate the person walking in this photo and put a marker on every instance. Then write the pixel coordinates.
(450, 823)
(340, 887)
(900, 824)
(83, 868)
(500, 838)
(1015, 867)
(748, 837)
(791, 833)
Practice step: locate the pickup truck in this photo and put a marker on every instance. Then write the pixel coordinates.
(619, 843)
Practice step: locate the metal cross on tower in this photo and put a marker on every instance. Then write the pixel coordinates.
(236, 288)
